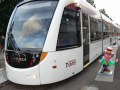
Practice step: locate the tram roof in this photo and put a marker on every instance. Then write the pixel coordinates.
(106, 19)
(25, 1)
(89, 9)
(84, 5)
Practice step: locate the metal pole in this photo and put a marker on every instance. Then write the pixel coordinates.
(102, 33)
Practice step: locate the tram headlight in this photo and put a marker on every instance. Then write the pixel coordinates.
(32, 76)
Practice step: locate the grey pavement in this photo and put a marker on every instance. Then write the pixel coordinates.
(3, 76)
(1, 60)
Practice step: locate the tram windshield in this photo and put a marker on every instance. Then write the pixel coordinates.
(30, 25)
(27, 33)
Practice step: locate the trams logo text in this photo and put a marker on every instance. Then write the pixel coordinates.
(70, 63)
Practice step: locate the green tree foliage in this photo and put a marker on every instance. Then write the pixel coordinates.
(104, 12)
(6, 8)
(91, 2)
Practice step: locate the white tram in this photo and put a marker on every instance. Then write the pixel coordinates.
(51, 40)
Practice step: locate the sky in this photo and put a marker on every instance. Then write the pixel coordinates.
(112, 8)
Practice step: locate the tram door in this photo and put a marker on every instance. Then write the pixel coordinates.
(85, 39)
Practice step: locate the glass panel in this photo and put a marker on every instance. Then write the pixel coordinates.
(85, 29)
(95, 29)
(30, 24)
(69, 34)
(85, 39)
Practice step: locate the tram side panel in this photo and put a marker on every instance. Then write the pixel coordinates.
(67, 58)
(60, 65)
(95, 50)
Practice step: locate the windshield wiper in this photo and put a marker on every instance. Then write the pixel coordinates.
(23, 51)
(31, 50)
(11, 39)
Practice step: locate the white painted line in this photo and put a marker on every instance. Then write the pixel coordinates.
(114, 46)
(89, 88)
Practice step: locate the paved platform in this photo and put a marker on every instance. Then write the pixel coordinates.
(3, 76)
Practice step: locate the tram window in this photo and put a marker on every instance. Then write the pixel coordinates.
(106, 31)
(69, 33)
(95, 29)
(110, 31)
